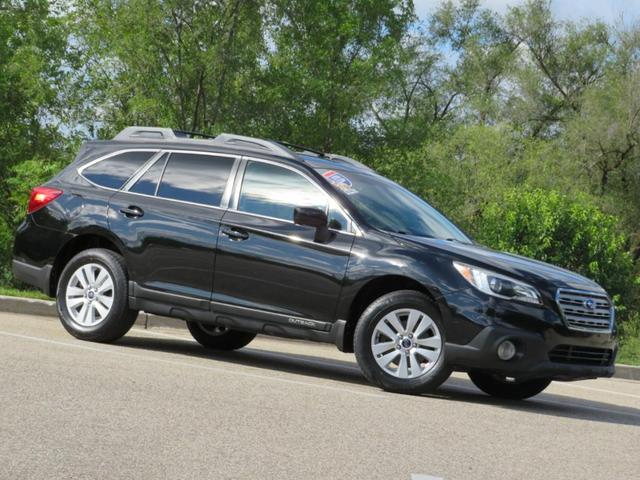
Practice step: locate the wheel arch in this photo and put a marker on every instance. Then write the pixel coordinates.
(374, 289)
(80, 242)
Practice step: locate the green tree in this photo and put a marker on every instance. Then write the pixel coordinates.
(557, 62)
(176, 63)
(34, 69)
(325, 67)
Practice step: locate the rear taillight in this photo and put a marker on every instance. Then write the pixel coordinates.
(41, 196)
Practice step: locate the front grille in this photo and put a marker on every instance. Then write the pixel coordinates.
(581, 355)
(585, 310)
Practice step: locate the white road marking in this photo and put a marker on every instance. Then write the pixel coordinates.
(225, 371)
(417, 476)
(289, 381)
(555, 403)
(601, 390)
(464, 388)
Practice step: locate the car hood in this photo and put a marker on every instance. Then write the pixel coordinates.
(540, 274)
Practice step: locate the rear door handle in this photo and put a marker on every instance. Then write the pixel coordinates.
(235, 233)
(132, 211)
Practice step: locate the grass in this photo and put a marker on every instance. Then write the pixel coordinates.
(15, 292)
(629, 352)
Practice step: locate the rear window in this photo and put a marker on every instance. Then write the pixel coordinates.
(113, 172)
(194, 178)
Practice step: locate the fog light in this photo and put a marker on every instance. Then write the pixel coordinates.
(506, 350)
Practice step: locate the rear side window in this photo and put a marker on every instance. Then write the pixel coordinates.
(195, 178)
(113, 172)
(148, 182)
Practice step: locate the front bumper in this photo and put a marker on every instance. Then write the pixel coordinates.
(533, 359)
(545, 345)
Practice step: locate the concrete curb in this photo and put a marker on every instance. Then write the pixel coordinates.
(47, 308)
(28, 306)
(628, 372)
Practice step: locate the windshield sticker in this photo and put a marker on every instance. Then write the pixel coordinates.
(338, 180)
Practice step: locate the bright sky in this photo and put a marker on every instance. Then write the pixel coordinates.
(611, 11)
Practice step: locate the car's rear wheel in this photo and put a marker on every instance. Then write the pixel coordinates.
(217, 337)
(92, 296)
(399, 343)
(507, 387)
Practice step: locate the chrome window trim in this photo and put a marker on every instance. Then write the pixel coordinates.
(232, 189)
(147, 165)
(185, 202)
(228, 189)
(352, 227)
(82, 168)
(296, 239)
(164, 168)
(142, 170)
(229, 185)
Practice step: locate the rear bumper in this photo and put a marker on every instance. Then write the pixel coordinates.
(38, 277)
(533, 359)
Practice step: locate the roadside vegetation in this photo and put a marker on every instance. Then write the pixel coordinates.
(523, 129)
(16, 292)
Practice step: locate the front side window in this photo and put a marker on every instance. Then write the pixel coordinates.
(273, 191)
(194, 178)
(113, 172)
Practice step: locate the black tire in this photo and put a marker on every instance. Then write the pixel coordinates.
(219, 338)
(120, 317)
(498, 386)
(365, 328)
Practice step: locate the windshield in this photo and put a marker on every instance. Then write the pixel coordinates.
(387, 206)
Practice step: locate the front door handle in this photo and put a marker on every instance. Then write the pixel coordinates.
(132, 211)
(235, 233)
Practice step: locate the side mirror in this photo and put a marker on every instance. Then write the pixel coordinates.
(316, 218)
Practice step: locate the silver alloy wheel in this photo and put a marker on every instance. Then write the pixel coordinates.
(406, 343)
(89, 295)
(213, 330)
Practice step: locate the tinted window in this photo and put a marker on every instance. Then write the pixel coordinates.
(337, 219)
(148, 182)
(114, 171)
(274, 191)
(195, 178)
(387, 206)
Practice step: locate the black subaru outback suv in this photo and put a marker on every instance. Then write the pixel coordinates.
(240, 236)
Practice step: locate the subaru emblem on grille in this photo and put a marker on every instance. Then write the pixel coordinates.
(589, 304)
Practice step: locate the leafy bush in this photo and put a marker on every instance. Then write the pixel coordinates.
(572, 233)
(21, 179)
(6, 242)
(629, 339)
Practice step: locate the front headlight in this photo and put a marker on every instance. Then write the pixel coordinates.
(498, 285)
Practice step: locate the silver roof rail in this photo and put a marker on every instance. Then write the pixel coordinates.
(142, 133)
(229, 139)
(224, 139)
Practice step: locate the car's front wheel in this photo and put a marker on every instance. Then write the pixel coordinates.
(92, 296)
(505, 387)
(399, 343)
(219, 338)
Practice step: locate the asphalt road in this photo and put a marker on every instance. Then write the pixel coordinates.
(156, 405)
